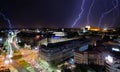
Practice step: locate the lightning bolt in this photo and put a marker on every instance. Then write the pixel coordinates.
(80, 14)
(6, 19)
(114, 15)
(88, 15)
(107, 12)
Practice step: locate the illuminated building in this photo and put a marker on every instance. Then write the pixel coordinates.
(59, 33)
(109, 29)
(93, 56)
(88, 58)
(112, 65)
(57, 51)
(113, 46)
(112, 61)
(91, 28)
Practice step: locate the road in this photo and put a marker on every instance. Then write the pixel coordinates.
(18, 67)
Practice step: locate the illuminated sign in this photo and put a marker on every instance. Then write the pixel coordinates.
(116, 49)
(59, 33)
(83, 48)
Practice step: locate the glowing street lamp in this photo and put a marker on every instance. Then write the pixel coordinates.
(8, 61)
(58, 70)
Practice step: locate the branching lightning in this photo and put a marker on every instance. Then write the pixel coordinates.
(107, 12)
(89, 12)
(114, 18)
(80, 14)
(6, 19)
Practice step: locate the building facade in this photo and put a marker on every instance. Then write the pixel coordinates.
(88, 58)
(96, 55)
(112, 67)
(60, 51)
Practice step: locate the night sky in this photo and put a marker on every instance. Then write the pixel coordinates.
(60, 13)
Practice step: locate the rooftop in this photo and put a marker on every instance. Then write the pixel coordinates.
(53, 40)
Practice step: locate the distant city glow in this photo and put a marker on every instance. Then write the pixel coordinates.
(105, 29)
(88, 27)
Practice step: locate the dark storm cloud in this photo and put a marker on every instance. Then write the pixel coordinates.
(55, 13)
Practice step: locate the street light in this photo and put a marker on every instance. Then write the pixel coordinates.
(58, 70)
(7, 61)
